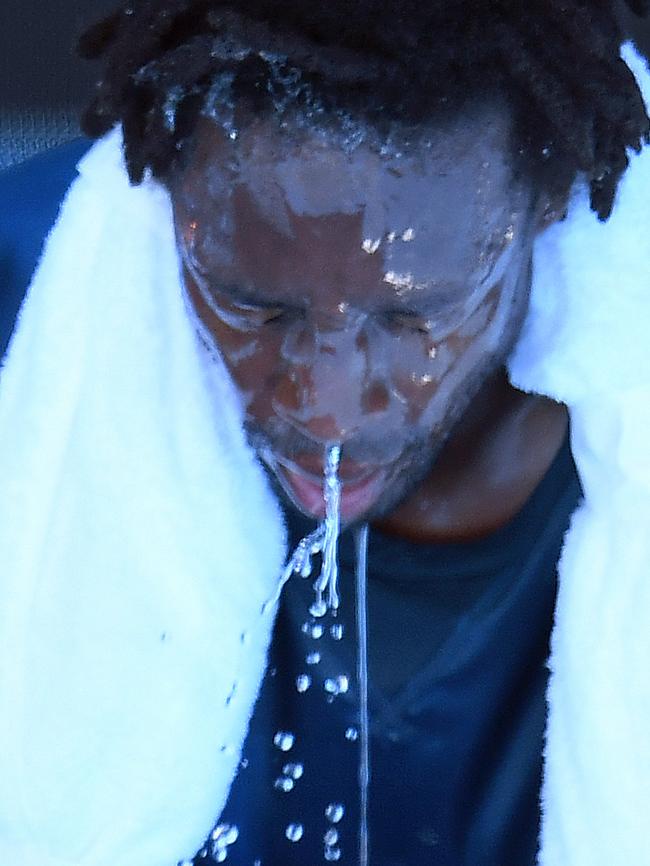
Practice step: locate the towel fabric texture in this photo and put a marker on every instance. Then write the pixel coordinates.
(140, 541)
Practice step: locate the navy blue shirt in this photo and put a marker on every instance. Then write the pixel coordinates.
(458, 642)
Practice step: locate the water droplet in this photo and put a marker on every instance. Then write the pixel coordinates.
(331, 837)
(232, 835)
(283, 784)
(294, 832)
(243, 763)
(303, 682)
(338, 685)
(293, 770)
(428, 836)
(332, 854)
(334, 812)
(225, 834)
(284, 741)
(408, 235)
(318, 608)
(317, 631)
(313, 658)
(370, 246)
(352, 734)
(337, 631)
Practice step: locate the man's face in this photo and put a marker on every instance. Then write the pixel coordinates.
(356, 298)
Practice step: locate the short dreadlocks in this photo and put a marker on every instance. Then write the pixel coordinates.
(577, 106)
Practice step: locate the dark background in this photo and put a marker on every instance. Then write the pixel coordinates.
(43, 84)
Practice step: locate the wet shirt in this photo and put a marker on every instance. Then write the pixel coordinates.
(458, 640)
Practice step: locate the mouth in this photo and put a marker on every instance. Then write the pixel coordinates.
(360, 488)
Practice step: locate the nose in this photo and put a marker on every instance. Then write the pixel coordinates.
(326, 388)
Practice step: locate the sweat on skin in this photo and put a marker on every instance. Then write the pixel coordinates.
(370, 299)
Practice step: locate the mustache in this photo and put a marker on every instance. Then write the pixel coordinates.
(291, 444)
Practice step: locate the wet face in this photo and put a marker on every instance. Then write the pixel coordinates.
(355, 298)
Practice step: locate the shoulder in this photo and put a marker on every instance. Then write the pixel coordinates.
(30, 196)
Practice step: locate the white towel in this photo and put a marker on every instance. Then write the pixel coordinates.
(587, 343)
(139, 541)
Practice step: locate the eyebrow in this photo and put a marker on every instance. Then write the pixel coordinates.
(446, 296)
(208, 283)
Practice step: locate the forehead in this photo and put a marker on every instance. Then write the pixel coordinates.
(280, 209)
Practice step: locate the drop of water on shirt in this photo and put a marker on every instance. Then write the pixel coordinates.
(332, 854)
(331, 837)
(334, 812)
(337, 631)
(316, 631)
(284, 741)
(337, 686)
(318, 608)
(303, 682)
(283, 784)
(295, 771)
(223, 835)
(313, 658)
(294, 832)
(352, 734)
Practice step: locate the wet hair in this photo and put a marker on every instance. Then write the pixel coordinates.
(576, 105)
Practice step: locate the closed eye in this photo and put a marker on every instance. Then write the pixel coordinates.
(412, 321)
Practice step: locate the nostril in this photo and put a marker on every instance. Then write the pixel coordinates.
(361, 342)
(375, 398)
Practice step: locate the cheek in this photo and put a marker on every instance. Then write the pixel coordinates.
(252, 360)
(250, 357)
(428, 373)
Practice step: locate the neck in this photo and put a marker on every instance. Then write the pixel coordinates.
(490, 466)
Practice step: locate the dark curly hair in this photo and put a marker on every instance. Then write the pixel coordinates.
(576, 104)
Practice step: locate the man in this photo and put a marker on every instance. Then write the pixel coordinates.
(353, 247)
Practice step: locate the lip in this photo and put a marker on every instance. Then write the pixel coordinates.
(358, 493)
